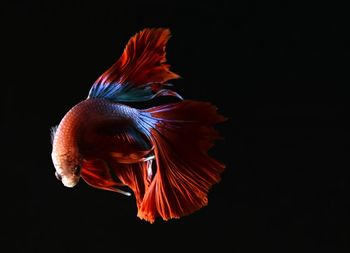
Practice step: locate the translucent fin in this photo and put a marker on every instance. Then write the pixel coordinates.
(181, 134)
(134, 176)
(141, 72)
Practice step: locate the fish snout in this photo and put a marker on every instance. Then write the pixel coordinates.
(70, 181)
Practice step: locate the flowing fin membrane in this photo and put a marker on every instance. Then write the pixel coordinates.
(98, 174)
(141, 72)
(135, 177)
(181, 134)
(172, 175)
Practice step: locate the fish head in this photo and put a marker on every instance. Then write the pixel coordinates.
(68, 168)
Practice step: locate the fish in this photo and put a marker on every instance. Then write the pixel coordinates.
(159, 153)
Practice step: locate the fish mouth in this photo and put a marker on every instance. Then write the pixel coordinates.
(70, 182)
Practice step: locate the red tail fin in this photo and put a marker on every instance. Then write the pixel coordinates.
(182, 135)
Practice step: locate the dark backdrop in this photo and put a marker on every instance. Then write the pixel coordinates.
(277, 70)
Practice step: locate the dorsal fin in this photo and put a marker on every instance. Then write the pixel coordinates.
(141, 72)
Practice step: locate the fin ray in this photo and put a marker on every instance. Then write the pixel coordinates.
(182, 133)
(141, 71)
(97, 174)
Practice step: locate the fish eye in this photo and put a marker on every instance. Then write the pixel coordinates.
(58, 176)
(77, 170)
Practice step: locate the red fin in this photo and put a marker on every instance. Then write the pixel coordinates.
(185, 172)
(134, 176)
(130, 158)
(97, 174)
(143, 60)
(141, 71)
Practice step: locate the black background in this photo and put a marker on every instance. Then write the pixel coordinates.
(277, 70)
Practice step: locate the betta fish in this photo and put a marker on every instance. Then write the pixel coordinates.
(159, 153)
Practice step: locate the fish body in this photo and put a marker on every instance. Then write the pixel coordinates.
(83, 119)
(160, 153)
